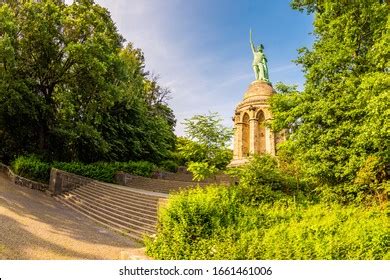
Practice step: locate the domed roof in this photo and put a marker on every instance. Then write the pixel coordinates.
(259, 89)
(257, 94)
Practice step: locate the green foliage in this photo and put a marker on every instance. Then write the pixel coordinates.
(105, 171)
(261, 170)
(201, 170)
(67, 81)
(207, 130)
(35, 169)
(262, 180)
(284, 106)
(213, 223)
(340, 121)
(169, 165)
(268, 215)
(31, 167)
(338, 143)
(206, 145)
(188, 218)
(189, 150)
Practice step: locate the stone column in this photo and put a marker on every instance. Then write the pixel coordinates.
(238, 140)
(55, 183)
(269, 141)
(236, 144)
(253, 127)
(272, 142)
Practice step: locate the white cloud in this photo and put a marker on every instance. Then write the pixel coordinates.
(200, 80)
(181, 67)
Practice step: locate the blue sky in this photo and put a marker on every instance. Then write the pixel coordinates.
(200, 48)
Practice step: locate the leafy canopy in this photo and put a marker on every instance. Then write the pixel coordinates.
(339, 123)
(70, 89)
(206, 147)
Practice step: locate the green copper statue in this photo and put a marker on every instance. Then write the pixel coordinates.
(259, 61)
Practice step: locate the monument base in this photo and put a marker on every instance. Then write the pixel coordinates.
(238, 162)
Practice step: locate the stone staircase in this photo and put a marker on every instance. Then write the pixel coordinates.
(153, 185)
(167, 182)
(129, 208)
(129, 211)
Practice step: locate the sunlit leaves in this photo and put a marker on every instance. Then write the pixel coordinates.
(341, 117)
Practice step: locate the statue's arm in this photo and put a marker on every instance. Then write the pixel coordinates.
(251, 41)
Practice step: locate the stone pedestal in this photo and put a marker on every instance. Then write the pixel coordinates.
(252, 115)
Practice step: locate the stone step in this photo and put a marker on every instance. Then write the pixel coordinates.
(119, 194)
(122, 220)
(159, 189)
(135, 216)
(125, 207)
(108, 217)
(132, 233)
(120, 191)
(148, 207)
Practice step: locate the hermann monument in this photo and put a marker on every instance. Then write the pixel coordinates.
(251, 135)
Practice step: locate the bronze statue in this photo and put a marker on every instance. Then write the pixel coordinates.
(259, 63)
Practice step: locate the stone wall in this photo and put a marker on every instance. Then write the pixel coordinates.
(18, 180)
(186, 176)
(154, 185)
(61, 181)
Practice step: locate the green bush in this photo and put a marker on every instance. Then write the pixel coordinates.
(99, 172)
(320, 231)
(190, 218)
(105, 171)
(201, 170)
(32, 168)
(140, 168)
(262, 181)
(169, 165)
(212, 223)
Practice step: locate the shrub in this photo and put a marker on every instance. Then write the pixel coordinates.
(262, 170)
(32, 168)
(99, 172)
(322, 232)
(169, 165)
(140, 168)
(262, 181)
(189, 219)
(212, 223)
(105, 171)
(267, 216)
(201, 170)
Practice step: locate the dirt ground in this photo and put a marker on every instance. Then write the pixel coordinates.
(34, 226)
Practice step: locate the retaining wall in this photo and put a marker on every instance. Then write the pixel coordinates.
(186, 176)
(62, 181)
(154, 185)
(18, 180)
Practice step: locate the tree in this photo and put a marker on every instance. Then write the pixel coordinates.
(206, 149)
(340, 120)
(70, 90)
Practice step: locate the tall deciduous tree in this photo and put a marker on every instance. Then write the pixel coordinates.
(206, 148)
(71, 91)
(341, 120)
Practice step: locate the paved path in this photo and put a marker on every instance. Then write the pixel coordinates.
(36, 226)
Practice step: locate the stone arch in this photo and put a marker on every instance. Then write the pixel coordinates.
(261, 133)
(245, 135)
